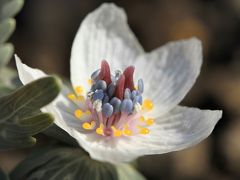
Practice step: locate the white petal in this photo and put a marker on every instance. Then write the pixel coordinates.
(179, 129)
(114, 150)
(27, 75)
(104, 34)
(60, 119)
(169, 72)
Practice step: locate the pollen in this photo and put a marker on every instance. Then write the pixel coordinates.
(71, 96)
(79, 90)
(78, 113)
(144, 131)
(116, 132)
(150, 121)
(142, 119)
(88, 126)
(99, 130)
(127, 132)
(147, 104)
(80, 98)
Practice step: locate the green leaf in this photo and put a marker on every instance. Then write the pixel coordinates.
(3, 176)
(9, 8)
(9, 81)
(55, 163)
(18, 118)
(6, 52)
(4, 90)
(6, 29)
(57, 133)
(29, 98)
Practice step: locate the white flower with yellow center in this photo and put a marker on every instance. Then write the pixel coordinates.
(125, 101)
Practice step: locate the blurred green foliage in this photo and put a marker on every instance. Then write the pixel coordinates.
(8, 8)
(54, 163)
(18, 118)
(19, 110)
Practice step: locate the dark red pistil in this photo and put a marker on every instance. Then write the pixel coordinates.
(105, 73)
(119, 92)
(128, 73)
(125, 80)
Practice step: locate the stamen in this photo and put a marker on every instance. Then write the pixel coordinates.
(113, 102)
(127, 94)
(137, 107)
(111, 89)
(79, 90)
(99, 130)
(78, 113)
(88, 126)
(98, 95)
(116, 103)
(140, 86)
(95, 75)
(147, 105)
(127, 106)
(80, 98)
(100, 84)
(127, 132)
(116, 132)
(71, 96)
(134, 94)
(144, 131)
(107, 110)
(97, 105)
(150, 121)
(108, 132)
(137, 99)
(105, 99)
(90, 94)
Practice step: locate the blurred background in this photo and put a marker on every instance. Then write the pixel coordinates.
(46, 29)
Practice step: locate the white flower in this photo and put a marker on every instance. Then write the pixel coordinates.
(125, 128)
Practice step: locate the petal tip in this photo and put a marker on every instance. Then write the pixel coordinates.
(196, 42)
(217, 114)
(17, 59)
(109, 6)
(109, 10)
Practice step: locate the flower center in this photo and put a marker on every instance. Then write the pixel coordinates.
(114, 105)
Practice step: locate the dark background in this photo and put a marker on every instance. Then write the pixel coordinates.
(43, 38)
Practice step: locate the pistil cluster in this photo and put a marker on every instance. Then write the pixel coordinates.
(114, 105)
